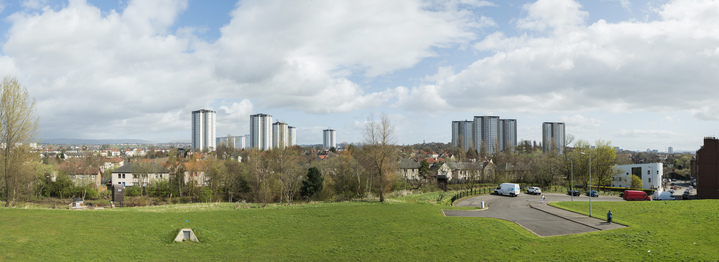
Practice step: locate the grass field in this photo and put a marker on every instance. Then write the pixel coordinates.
(407, 228)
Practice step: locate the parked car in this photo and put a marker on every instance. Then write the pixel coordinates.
(593, 193)
(534, 190)
(573, 193)
(632, 195)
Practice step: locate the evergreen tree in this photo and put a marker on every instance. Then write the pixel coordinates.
(312, 185)
(424, 169)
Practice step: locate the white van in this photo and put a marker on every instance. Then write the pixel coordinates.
(663, 196)
(507, 189)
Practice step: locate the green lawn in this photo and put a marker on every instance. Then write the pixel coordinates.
(408, 229)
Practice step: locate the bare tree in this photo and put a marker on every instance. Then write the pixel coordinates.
(568, 140)
(141, 171)
(18, 127)
(215, 175)
(261, 178)
(346, 175)
(285, 163)
(379, 151)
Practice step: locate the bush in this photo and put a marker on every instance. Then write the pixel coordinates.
(89, 191)
(160, 189)
(205, 194)
(132, 191)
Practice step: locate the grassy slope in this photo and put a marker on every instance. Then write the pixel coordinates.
(408, 230)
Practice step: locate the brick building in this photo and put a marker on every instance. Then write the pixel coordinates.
(706, 168)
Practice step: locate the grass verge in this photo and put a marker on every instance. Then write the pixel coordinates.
(408, 228)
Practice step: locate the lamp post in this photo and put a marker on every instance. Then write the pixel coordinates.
(571, 185)
(590, 183)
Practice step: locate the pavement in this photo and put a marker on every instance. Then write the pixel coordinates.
(593, 222)
(539, 218)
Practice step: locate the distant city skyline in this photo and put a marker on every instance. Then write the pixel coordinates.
(640, 74)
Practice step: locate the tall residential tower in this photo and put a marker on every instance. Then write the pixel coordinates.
(329, 138)
(261, 131)
(293, 135)
(553, 137)
(462, 134)
(280, 135)
(203, 129)
(507, 134)
(486, 134)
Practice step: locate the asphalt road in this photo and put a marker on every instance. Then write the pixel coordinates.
(541, 219)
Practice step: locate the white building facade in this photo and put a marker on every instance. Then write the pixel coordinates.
(553, 137)
(280, 135)
(127, 175)
(237, 142)
(293, 135)
(329, 139)
(650, 174)
(261, 131)
(203, 129)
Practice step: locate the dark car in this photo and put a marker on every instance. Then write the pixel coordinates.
(573, 193)
(593, 193)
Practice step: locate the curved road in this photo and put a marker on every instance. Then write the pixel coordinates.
(541, 219)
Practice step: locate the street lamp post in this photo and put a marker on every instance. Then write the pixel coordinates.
(590, 183)
(571, 185)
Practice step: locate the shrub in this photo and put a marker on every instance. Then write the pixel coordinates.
(132, 191)
(205, 194)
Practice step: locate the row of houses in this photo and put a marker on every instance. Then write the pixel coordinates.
(149, 173)
(454, 172)
(130, 152)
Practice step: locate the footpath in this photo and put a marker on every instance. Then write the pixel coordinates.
(593, 222)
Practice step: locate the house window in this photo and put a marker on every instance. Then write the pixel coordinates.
(650, 180)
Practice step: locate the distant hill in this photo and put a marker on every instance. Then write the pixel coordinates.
(78, 141)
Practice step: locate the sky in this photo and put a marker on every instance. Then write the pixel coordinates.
(639, 74)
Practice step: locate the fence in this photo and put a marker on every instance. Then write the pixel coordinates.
(471, 192)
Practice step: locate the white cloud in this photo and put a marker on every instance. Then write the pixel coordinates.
(644, 134)
(579, 123)
(309, 53)
(234, 118)
(34, 4)
(552, 14)
(96, 72)
(710, 113)
(657, 66)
